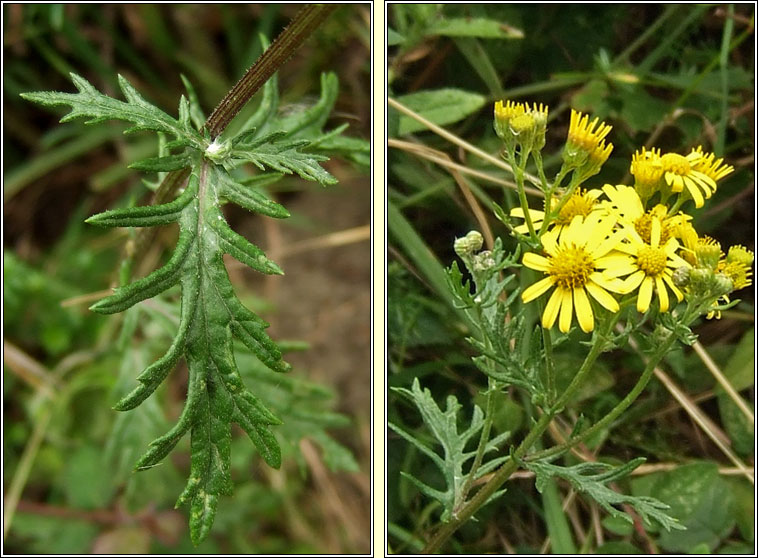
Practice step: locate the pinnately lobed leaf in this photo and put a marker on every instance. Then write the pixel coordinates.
(211, 315)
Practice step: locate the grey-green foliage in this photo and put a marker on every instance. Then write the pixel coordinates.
(444, 426)
(591, 479)
(211, 314)
(506, 353)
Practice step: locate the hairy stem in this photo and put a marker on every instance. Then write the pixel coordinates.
(294, 35)
(284, 46)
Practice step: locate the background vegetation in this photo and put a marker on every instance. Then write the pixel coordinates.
(670, 76)
(66, 453)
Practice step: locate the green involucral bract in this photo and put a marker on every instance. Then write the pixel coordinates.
(211, 314)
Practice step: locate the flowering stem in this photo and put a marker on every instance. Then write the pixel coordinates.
(540, 170)
(692, 311)
(677, 204)
(575, 181)
(547, 342)
(510, 466)
(299, 29)
(617, 410)
(483, 438)
(549, 197)
(518, 170)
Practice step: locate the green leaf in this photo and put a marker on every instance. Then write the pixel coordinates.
(211, 315)
(740, 369)
(740, 430)
(441, 106)
(87, 482)
(743, 494)
(583, 480)
(698, 498)
(617, 547)
(89, 102)
(249, 196)
(284, 156)
(561, 541)
(444, 427)
(473, 27)
(163, 164)
(394, 38)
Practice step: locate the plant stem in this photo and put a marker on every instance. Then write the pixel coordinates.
(617, 410)
(692, 311)
(549, 198)
(510, 466)
(518, 171)
(483, 438)
(547, 342)
(284, 46)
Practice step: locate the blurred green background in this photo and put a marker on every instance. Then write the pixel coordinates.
(673, 76)
(67, 452)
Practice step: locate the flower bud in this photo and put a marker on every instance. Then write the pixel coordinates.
(483, 261)
(708, 252)
(722, 284)
(740, 254)
(681, 276)
(469, 244)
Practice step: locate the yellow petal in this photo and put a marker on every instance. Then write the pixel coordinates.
(674, 288)
(645, 295)
(549, 242)
(573, 233)
(663, 296)
(566, 312)
(583, 310)
(633, 281)
(611, 243)
(535, 261)
(695, 192)
(537, 289)
(655, 233)
(551, 310)
(603, 297)
(533, 213)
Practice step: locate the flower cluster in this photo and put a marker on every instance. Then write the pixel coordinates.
(518, 125)
(621, 243)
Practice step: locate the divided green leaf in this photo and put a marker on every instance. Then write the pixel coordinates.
(584, 478)
(211, 314)
(444, 426)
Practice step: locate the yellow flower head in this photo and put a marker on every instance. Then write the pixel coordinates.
(736, 266)
(740, 254)
(715, 170)
(682, 229)
(516, 122)
(647, 171)
(506, 112)
(577, 263)
(586, 149)
(708, 252)
(681, 172)
(582, 202)
(739, 273)
(652, 266)
(582, 132)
